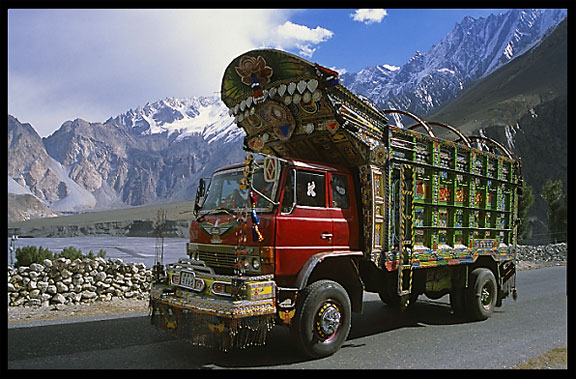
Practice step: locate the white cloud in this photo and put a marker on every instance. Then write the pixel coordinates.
(46, 103)
(290, 35)
(95, 64)
(369, 16)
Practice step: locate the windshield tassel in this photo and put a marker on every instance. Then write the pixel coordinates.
(256, 234)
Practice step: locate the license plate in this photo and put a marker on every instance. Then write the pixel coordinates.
(187, 279)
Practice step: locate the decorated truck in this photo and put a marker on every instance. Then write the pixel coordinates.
(333, 201)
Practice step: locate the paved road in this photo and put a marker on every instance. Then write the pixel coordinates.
(428, 336)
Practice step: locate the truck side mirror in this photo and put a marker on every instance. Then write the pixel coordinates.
(200, 194)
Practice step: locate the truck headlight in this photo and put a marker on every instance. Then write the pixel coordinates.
(221, 288)
(256, 263)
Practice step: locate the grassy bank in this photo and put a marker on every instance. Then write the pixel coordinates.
(133, 221)
(556, 358)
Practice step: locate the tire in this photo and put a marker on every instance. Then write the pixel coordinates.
(386, 298)
(390, 297)
(481, 294)
(323, 318)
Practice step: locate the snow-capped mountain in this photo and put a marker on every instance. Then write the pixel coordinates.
(205, 116)
(472, 50)
(524, 106)
(154, 153)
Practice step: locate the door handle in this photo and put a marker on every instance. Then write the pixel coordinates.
(326, 236)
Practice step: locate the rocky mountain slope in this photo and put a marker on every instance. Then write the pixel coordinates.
(524, 106)
(31, 170)
(154, 153)
(27, 206)
(472, 50)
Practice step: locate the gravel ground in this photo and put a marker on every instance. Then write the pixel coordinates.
(99, 308)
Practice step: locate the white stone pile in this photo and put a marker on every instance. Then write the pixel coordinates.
(62, 282)
(551, 253)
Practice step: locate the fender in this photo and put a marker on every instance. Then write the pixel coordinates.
(313, 261)
(340, 266)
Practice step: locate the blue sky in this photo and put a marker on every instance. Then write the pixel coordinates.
(391, 40)
(97, 63)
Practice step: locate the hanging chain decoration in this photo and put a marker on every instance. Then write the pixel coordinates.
(248, 175)
(256, 234)
(212, 330)
(241, 231)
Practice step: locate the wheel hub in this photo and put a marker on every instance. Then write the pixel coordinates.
(328, 320)
(486, 297)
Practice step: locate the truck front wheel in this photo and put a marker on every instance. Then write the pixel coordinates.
(481, 294)
(323, 318)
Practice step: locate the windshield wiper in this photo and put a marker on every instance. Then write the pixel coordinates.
(216, 211)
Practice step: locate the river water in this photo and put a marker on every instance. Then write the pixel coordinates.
(129, 249)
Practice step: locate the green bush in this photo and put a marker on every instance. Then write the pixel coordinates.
(71, 253)
(101, 254)
(27, 255)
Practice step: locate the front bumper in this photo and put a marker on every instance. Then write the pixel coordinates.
(240, 316)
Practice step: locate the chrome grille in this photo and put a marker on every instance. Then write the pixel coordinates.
(224, 259)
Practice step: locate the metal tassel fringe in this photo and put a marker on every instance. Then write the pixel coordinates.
(212, 331)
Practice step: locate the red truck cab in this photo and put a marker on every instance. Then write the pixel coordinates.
(311, 209)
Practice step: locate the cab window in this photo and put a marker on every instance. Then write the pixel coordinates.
(340, 191)
(288, 199)
(310, 189)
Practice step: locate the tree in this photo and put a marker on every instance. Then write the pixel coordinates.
(27, 255)
(557, 201)
(525, 202)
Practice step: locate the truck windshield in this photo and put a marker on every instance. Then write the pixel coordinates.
(227, 192)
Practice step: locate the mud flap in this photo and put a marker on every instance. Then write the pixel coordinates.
(508, 281)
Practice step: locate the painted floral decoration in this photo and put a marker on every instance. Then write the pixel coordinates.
(254, 70)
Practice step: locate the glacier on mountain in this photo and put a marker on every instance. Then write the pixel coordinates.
(205, 116)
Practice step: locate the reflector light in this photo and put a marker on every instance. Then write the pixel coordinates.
(267, 254)
(199, 285)
(219, 288)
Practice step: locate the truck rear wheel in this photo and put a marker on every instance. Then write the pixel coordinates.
(323, 318)
(481, 295)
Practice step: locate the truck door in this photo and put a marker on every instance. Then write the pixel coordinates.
(343, 209)
(304, 223)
